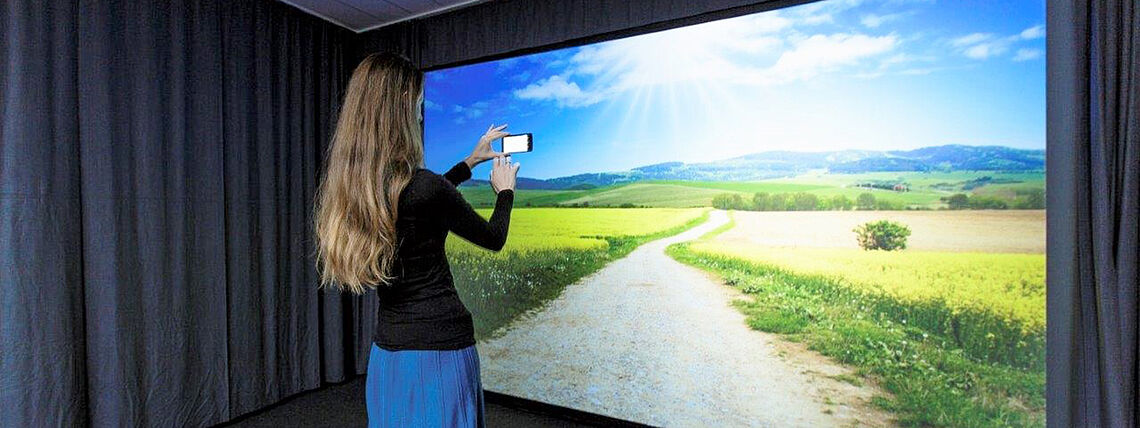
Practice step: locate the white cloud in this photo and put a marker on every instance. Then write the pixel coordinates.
(872, 20)
(1027, 54)
(821, 53)
(988, 45)
(971, 39)
(821, 12)
(985, 50)
(558, 89)
(761, 49)
(1035, 32)
(429, 105)
(822, 18)
(474, 111)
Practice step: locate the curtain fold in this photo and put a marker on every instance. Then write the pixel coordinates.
(281, 82)
(42, 346)
(158, 163)
(1094, 247)
(153, 241)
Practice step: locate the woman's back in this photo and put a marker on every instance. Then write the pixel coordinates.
(380, 223)
(421, 309)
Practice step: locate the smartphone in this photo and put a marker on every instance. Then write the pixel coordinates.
(517, 143)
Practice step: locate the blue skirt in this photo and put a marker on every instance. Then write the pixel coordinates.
(424, 388)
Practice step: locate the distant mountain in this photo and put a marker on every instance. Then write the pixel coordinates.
(948, 158)
(775, 164)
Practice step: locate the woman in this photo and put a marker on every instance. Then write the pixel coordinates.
(381, 220)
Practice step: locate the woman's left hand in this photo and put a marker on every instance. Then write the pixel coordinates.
(483, 150)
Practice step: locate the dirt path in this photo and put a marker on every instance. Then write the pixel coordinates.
(652, 340)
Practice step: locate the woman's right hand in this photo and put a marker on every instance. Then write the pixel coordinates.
(483, 150)
(503, 174)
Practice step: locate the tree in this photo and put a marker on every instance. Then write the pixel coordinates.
(722, 201)
(803, 201)
(987, 203)
(885, 205)
(737, 202)
(840, 202)
(779, 202)
(761, 201)
(957, 201)
(865, 201)
(882, 235)
(1033, 199)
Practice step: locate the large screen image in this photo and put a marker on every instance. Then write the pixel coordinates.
(825, 215)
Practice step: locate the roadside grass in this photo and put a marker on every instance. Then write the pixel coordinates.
(989, 305)
(498, 287)
(933, 381)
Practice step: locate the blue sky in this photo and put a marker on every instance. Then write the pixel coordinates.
(831, 75)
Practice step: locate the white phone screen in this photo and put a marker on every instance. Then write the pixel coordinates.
(515, 143)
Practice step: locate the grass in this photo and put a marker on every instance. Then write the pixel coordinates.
(926, 189)
(650, 194)
(579, 228)
(991, 305)
(484, 196)
(909, 345)
(823, 190)
(968, 231)
(548, 249)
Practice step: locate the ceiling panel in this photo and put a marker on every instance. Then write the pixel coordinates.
(364, 15)
(417, 6)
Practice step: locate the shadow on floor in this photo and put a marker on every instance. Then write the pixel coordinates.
(343, 406)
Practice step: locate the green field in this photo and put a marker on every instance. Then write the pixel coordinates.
(548, 249)
(992, 305)
(953, 328)
(925, 189)
(956, 337)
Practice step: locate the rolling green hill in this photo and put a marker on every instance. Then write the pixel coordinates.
(925, 189)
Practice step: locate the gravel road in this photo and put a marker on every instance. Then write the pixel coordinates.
(652, 340)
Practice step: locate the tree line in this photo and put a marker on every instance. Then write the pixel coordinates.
(803, 201)
(800, 201)
(1027, 199)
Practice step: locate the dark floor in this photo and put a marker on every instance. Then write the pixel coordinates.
(343, 406)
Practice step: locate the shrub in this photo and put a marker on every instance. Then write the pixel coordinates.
(883, 205)
(987, 203)
(958, 201)
(1033, 199)
(761, 202)
(841, 203)
(803, 201)
(865, 201)
(729, 201)
(778, 202)
(882, 235)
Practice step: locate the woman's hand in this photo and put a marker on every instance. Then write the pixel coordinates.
(483, 150)
(503, 174)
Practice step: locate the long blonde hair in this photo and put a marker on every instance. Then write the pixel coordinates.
(375, 149)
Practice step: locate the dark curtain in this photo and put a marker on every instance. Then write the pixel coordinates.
(158, 162)
(1094, 212)
(506, 28)
(43, 368)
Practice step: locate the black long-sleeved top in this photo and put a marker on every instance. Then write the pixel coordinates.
(420, 309)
